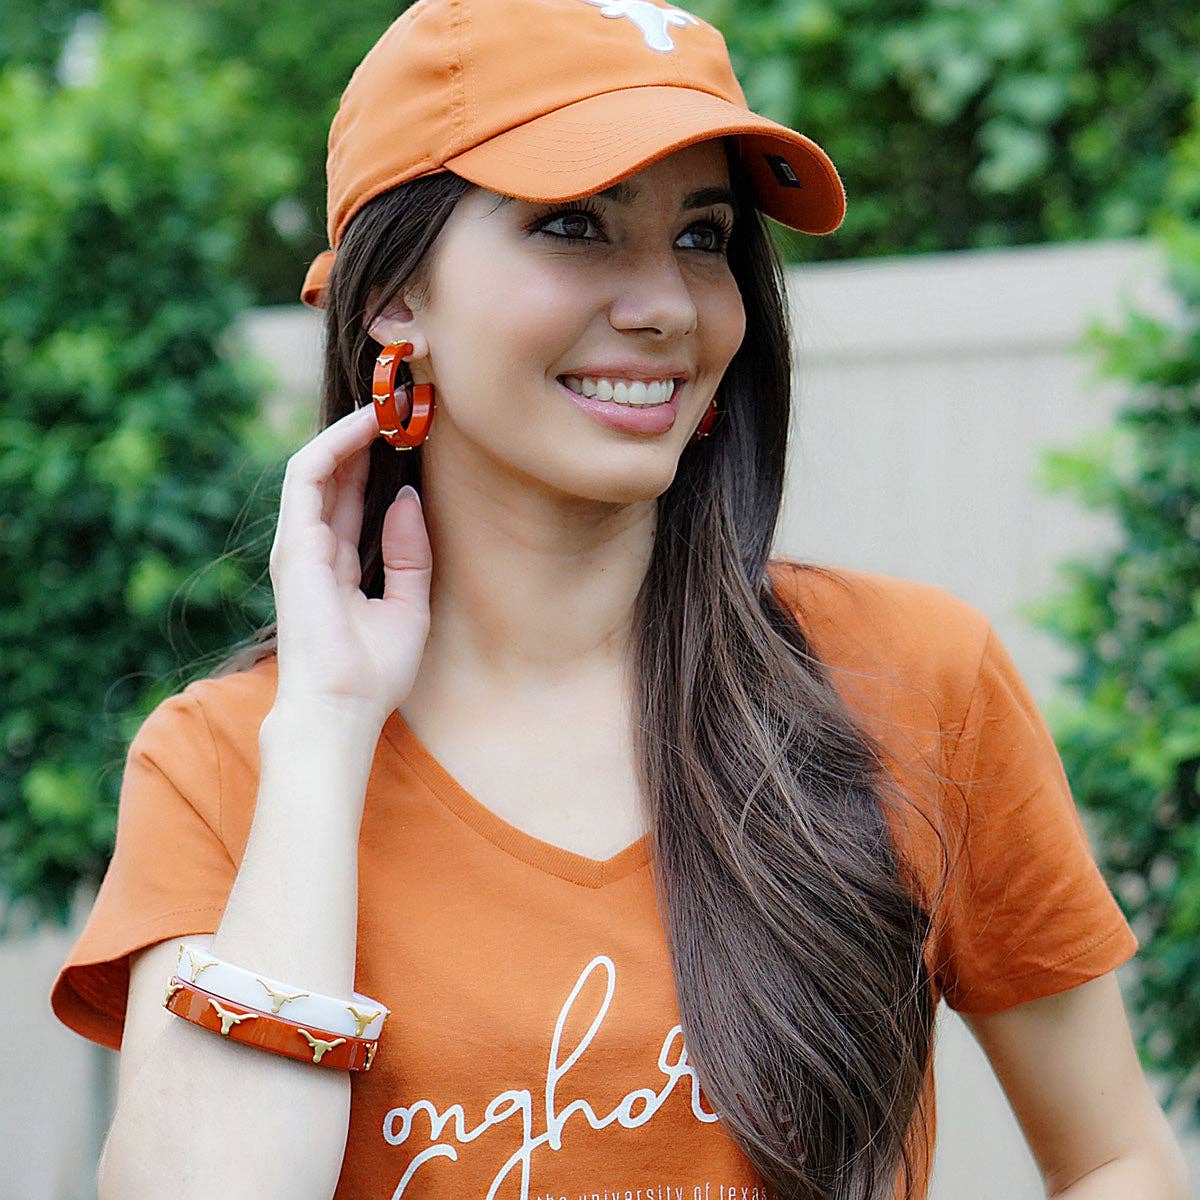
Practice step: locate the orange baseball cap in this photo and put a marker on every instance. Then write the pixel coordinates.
(549, 100)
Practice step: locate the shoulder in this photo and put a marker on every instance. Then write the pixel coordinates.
(203, 742)
(887, 635)
(204, 738)
(235, 704)
(851, 610)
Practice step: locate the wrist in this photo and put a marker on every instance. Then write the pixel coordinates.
(340, 718)
(304, 728)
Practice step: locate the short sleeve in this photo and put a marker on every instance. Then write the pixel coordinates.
(1028, 912)
(170, 872)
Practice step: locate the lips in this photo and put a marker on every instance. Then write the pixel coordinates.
(648, 419)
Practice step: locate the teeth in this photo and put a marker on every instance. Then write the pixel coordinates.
(631, 393)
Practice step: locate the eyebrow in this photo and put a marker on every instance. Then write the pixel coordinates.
(626, 193)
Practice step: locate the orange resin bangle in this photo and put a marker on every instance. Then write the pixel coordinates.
(266, 1031)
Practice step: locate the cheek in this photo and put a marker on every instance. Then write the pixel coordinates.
(519, 316)
(723, 316)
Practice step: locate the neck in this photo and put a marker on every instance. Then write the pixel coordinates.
(530, 589)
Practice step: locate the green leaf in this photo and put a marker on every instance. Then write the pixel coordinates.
(55, 794)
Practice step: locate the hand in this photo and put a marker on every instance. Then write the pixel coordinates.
(337, 648)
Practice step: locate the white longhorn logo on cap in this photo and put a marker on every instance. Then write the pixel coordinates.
(649, 18)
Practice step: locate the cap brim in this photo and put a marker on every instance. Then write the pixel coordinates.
(312, 291)
(586, 146)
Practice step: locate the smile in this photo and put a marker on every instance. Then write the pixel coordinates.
(633, 393)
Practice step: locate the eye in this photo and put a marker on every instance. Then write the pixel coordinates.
(579, 215)
(577, 220)
(721, 229)
(718, 226)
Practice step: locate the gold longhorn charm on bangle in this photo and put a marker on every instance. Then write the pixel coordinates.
(361, 1019)
(279, 999)
(229, 1018)
(318, 1046)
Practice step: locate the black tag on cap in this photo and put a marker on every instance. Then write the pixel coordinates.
(782, 170)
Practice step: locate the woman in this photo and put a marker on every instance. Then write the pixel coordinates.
(656, 854)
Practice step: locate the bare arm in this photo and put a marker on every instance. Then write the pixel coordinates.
(200, 1116)
(1069, 1068)
(213, 1116)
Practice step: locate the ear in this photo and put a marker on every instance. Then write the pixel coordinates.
(395, 324)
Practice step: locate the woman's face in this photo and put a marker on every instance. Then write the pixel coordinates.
(524, 295)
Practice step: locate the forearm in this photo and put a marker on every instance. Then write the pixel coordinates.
(215, 1117)
(293, 911)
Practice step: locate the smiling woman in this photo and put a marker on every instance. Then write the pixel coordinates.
(661, 852)
(569, 292)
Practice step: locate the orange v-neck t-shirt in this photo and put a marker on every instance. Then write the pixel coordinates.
(535, 1048)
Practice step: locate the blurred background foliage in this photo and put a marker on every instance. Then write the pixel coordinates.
(162, 167)
(1128, 726)
(963, 125)
(130, 439)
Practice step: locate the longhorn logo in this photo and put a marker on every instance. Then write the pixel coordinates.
(361, 1019)
(229, 1018)
(649, 18)
(318, 1046)
(198, 964)
(279, 999)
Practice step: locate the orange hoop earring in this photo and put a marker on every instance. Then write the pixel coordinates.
(706, 423)
(383, 392)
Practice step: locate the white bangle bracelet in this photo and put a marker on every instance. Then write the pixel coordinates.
(359, 1016)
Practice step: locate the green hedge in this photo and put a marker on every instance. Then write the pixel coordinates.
(130, 444)
(958, 124)
(1130, 731)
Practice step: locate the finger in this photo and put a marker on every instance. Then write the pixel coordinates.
(311, 467)
(407, 557)
(344, 556)
(347, 566)
(346, 511)
(335, 488)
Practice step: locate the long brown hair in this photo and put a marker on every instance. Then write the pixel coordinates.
(796, 932)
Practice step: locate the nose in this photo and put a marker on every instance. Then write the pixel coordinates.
(654, 294)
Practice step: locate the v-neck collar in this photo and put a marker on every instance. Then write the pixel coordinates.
(545, 856)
